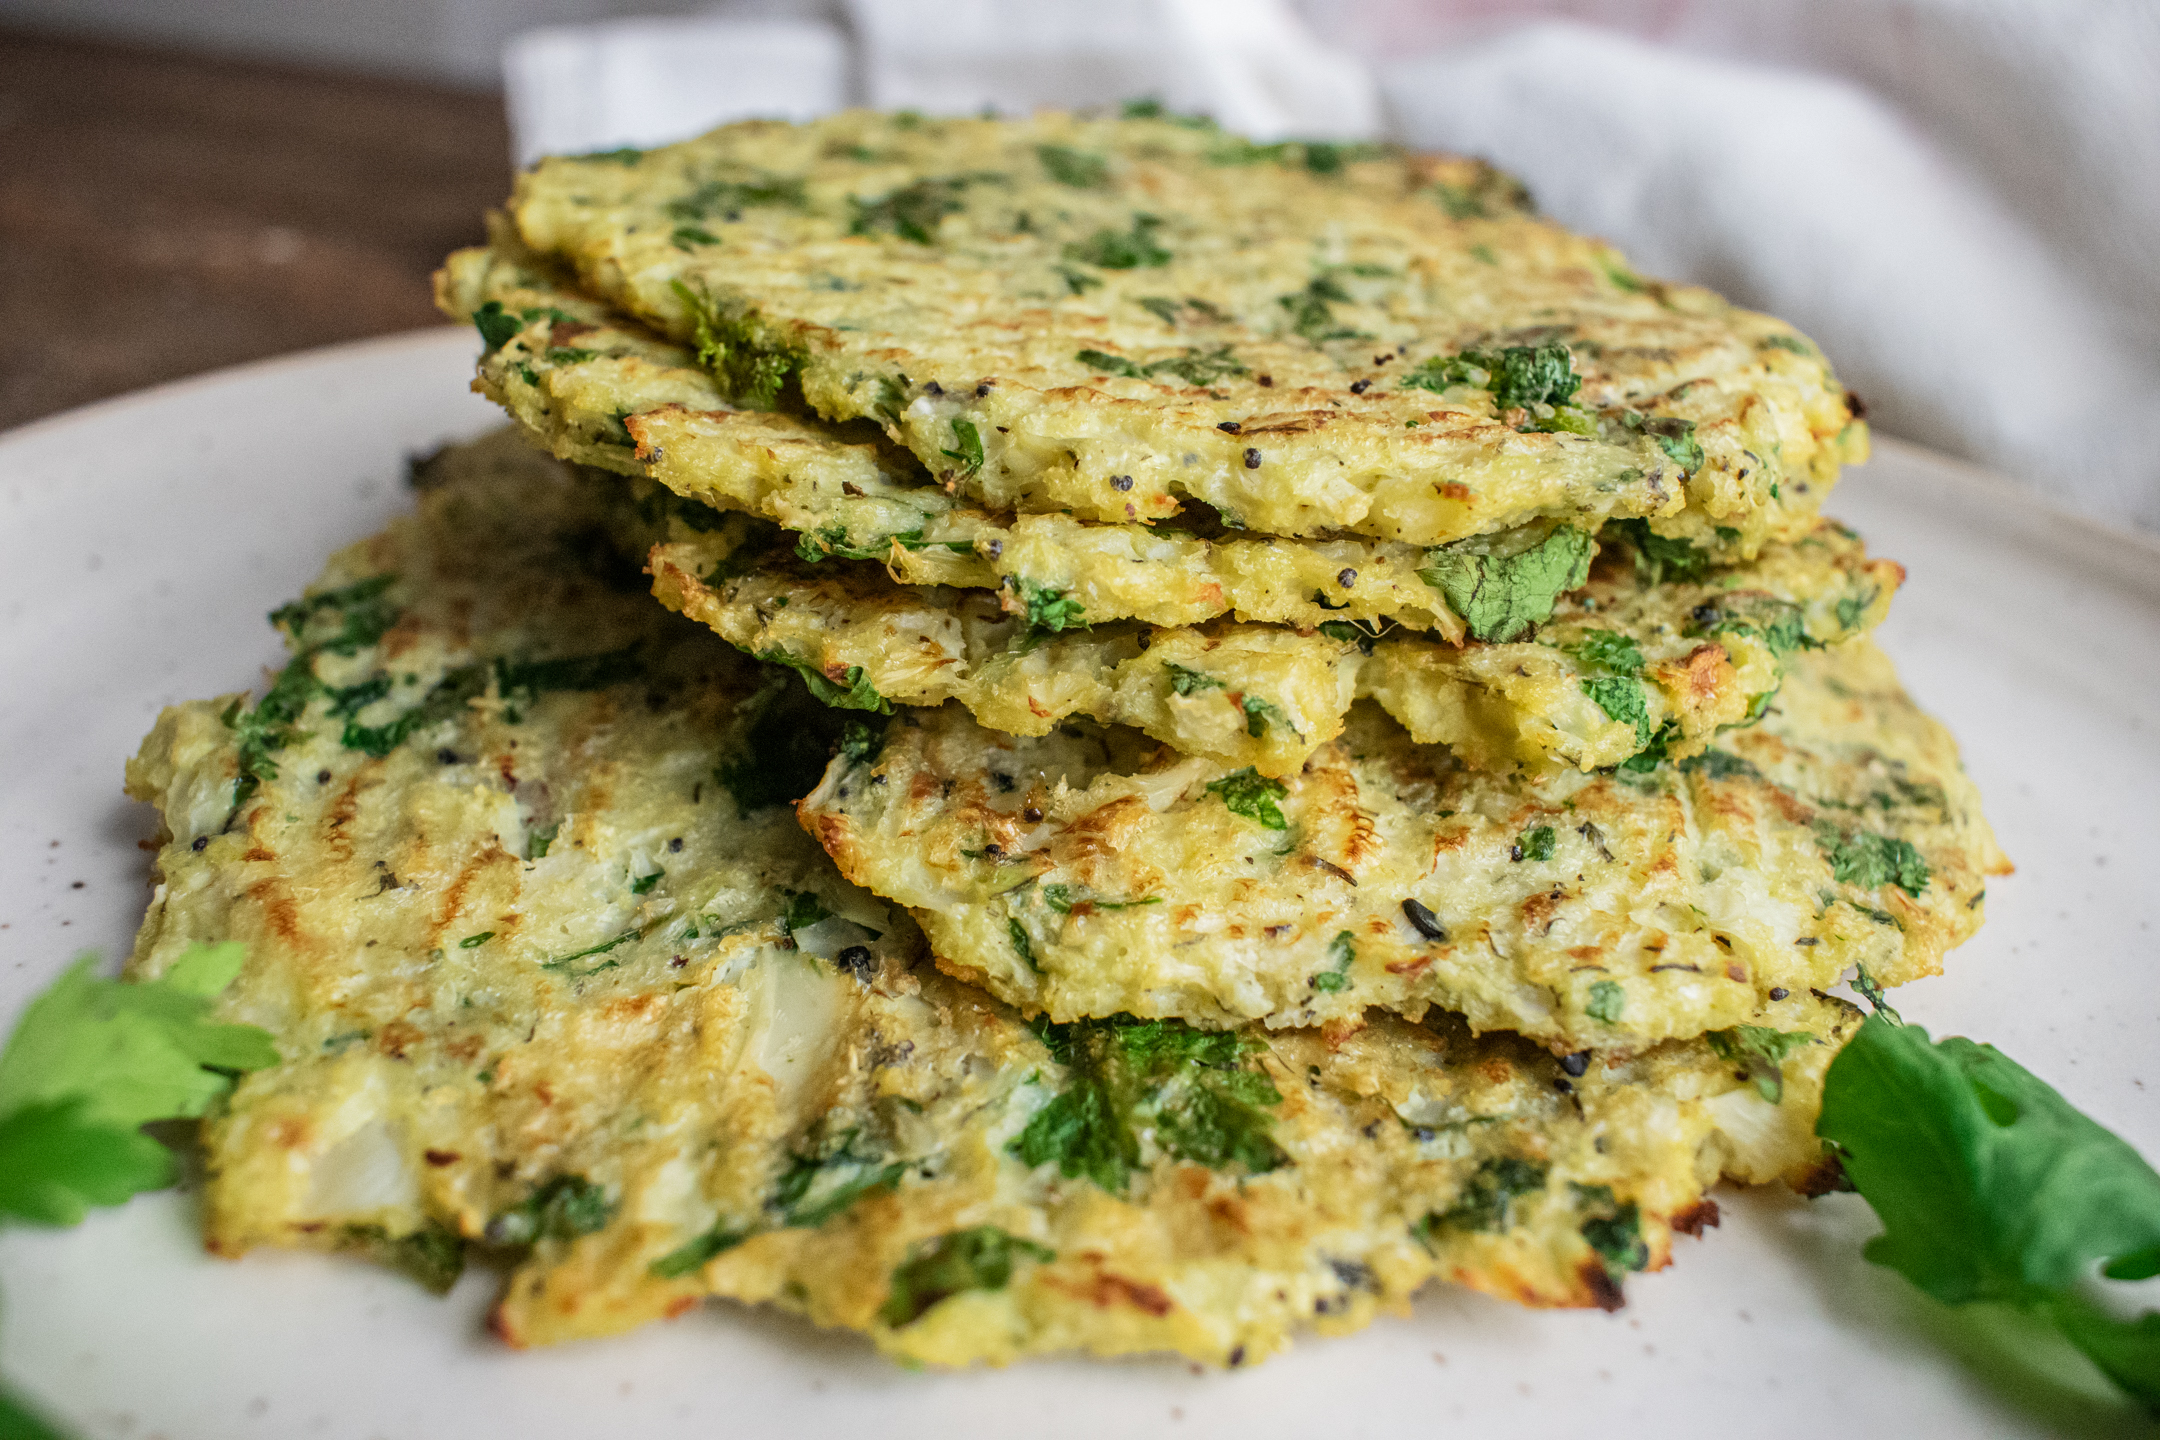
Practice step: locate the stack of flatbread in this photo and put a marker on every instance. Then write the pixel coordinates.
(1067, 734)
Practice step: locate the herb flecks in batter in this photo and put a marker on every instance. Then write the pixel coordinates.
(1871, 861)
(982, 1257)
(1761, 1051)
(752, 363)
(1191, 1090)
(1246, 792)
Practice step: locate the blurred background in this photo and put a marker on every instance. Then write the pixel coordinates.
(1960, 199)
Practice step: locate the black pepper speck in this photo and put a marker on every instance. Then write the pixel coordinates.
(1252, 459)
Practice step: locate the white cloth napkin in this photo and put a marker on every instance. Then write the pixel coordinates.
(1959, 199)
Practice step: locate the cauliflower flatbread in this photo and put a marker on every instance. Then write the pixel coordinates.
(592, 387)
(1633, 666)
(1090, 872)
(556, 977)
(1111, 317)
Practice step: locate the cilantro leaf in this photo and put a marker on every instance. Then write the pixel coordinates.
(751, 363)
(1186, 681)
(563, 1209)
(1536, 843)
(1248, 793)
(1519, 376)
(1487, 1200)
(1503, 585)
(497, 326)
(1048, 610)
(1992, 1187)
(912, 212)
(1608, 998)
(979, 1258)
(91, 1061)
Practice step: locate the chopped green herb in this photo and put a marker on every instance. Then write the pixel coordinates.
(1163, 309)
(1194, 367)
(689, 1258)
(1607, 1000)
(722, 197)
(643, 884)
(1535, 843)
(474, 942)
(1761, 1051)
(912, 212)
(837, 1171)
(1793, 343)
(1189, 682)
(980, 1258)
(563, 961)
(1719, 765)
(686, 236)
(1126, 1076)
(1519, 376)
(1062, 899)
(1248, 793)
(1336, 977)
(1021, 945)
(1261, 714)
(1311, 319)
(1872, 861)
(1487, 1201)
(539, 838)
(1128, 250)
(852, 691)
(530, 679)
(752, 363)
(1658, 557)
(970, 453)
(1676, 437)
(1048, 610)
(1076, 168)
(1614, 1230)
(804, 910)
(497, 326)
(1503, 585)
(563, 1209)
(1992, 1187)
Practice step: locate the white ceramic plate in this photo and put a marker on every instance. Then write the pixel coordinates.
(141, 542)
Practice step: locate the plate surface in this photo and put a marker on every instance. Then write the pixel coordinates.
(141, 543)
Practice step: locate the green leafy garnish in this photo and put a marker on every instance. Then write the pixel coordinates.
(539, 839)
(1872, 861)
(1340, 952)
(1607, 1000)
(1761, 1051)
(1248, 793)
(91, 1061)
(1503, 585)
(804, 910)
(1992, 1187)
(1132, 249)
(1125, 1077)
(1535, 843)
(980, 1258)
(562, 962)
(1614, 662)
(1311, 319)
(1076, 168)
(1062, 899)
(1676, 437)
(446, 700)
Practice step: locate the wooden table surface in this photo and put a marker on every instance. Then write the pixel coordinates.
(164, 214)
